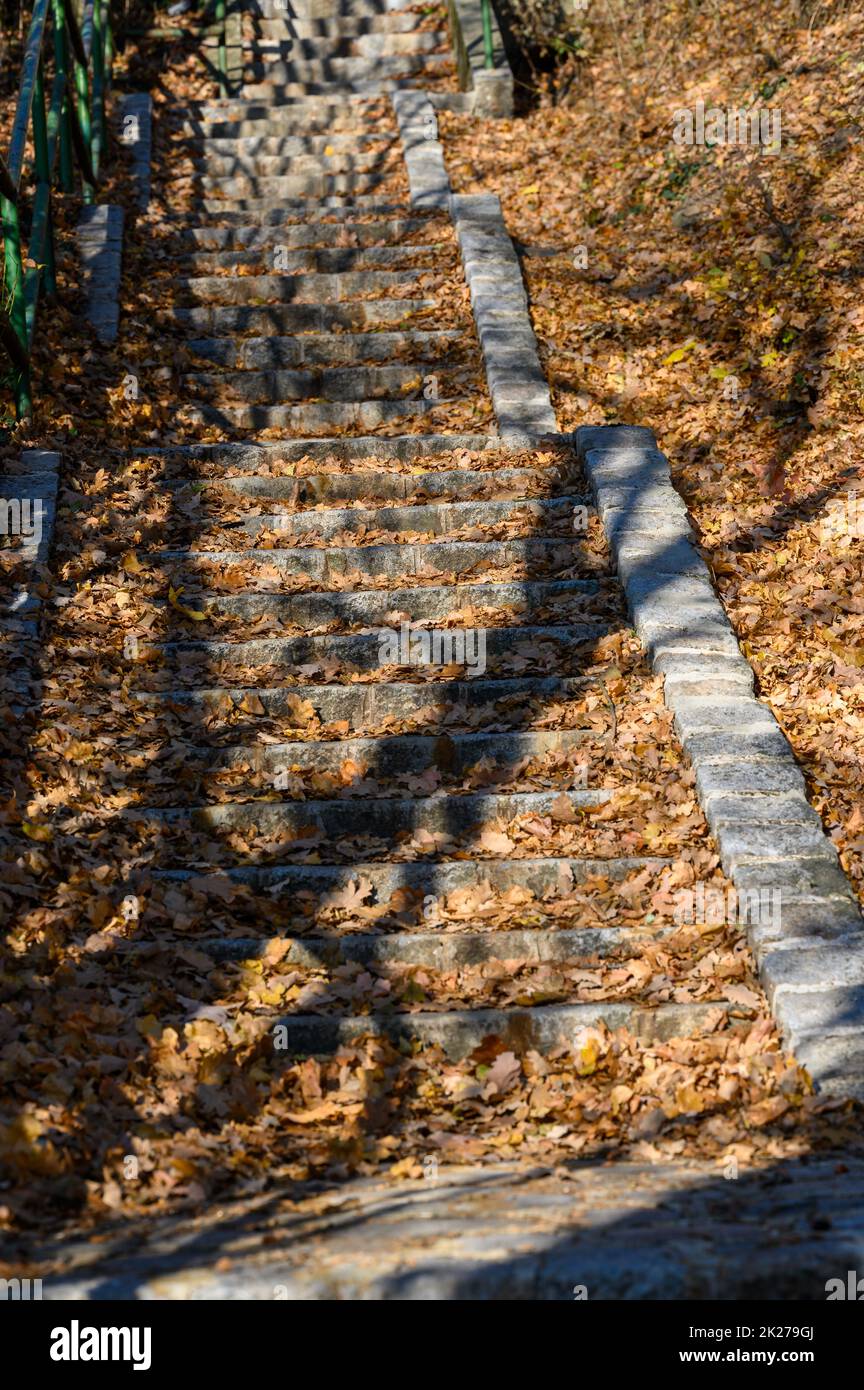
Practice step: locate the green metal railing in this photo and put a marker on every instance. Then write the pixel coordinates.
(223, 47)
(488, 44)
(69, 130)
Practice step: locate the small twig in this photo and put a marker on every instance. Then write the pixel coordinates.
(768, 203)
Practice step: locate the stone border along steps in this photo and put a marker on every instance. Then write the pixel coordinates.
(31, 489)
(99, 236)
(747, 779)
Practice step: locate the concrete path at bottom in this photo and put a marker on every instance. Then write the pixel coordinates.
(593, 1231)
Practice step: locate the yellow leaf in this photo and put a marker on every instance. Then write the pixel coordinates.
(131, 563)
(688, 1100)
(199, 614)
(529, 189)
(328, 149)
(678, 355)
(588, 1058)
(272, 996)
(37, 832)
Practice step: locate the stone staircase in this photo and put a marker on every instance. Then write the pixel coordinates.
(469, 847)
(378, 811)
(344, 47)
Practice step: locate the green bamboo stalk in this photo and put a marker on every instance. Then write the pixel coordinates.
(82, 103)
(108, 63)
(15, 310)
(61, 67)
(97, 142)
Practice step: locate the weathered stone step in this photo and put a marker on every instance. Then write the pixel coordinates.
(363, 651)
(452, 754)
(282, 208)
(375, 607)
(380, 816)
(335, 11)
(431, 518)
(248, 458)
(543, 877)
(351, 384)
(311, 184)
(297, 235)
(370, 78)
(443, 951)
(317, 53)
(299, 211)
(299, 289)
(372, 704)
(448, 485)
(341, 72)
(395, 78)
(397, 560)
(521, 1030)
(255, 172)
(223, 320)
(333, 415)
(240, 120)
(290, 146)
(277, 257)
(319, 349)
(349, 24)
(322, 48)
(368, 106)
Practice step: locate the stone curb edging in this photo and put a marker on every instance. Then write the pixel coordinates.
(517, 382)
(422, 151)
(99, 235)
(34, 481)
(811, 961)
(135, 117)
(491, 89)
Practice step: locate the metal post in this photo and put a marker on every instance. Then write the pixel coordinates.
(97, 138)
(488, 45)
(43, 177)
(223, 51)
